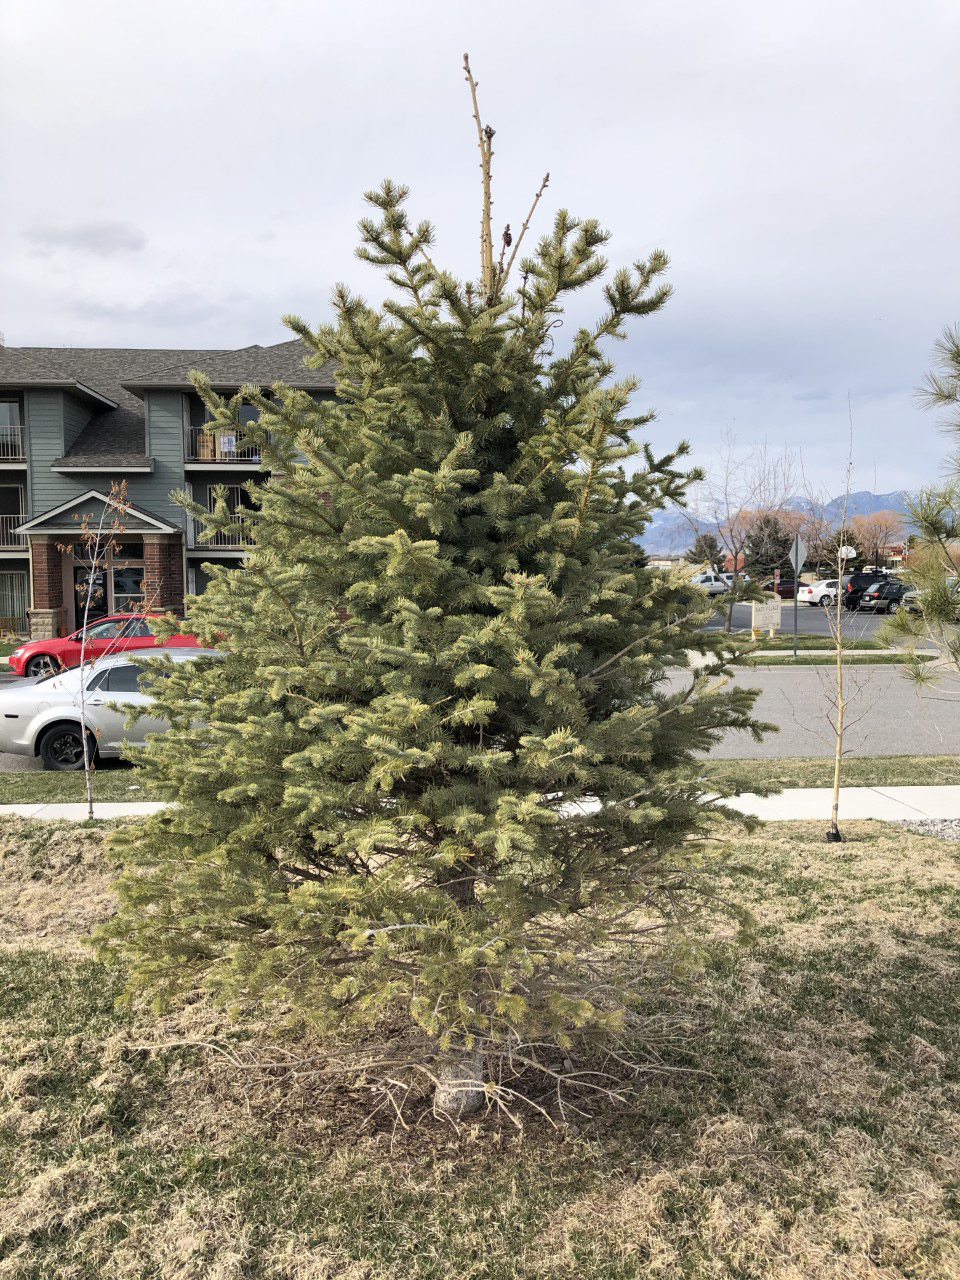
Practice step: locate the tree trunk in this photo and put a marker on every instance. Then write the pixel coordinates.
(460, 1086)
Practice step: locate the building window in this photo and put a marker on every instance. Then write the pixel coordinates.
(128, 588)
(117, 584)
(10, 411)
(14, 601)
(11, 429)
(11, 512)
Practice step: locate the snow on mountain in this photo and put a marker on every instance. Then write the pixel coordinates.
(674, 530)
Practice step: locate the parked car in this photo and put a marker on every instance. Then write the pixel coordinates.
(42, 717)
(712, 583)
(785, 588)
(855, 584)
(115, 634)
(911, 600)
(884, 597)
(820, 593)
(741, 577)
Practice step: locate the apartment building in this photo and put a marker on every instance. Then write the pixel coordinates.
(74, 421)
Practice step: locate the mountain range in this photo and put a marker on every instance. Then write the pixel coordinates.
(673, 530)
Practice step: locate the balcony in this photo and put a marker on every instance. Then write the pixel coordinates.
(232, 539)
(218, 447)
(10, 540)
(12, 445)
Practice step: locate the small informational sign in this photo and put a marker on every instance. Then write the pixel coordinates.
(766, 614)
(228, 444)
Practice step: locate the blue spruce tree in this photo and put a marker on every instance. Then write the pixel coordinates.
(440, 770)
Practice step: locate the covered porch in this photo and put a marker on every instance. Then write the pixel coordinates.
(140, 565)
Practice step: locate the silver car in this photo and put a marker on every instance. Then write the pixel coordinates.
(43, 717)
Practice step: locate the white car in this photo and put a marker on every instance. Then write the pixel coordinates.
(820, 593)
(42, 717)
(728, 578)
(712, 583)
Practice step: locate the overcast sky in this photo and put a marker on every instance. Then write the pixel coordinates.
(185, 172)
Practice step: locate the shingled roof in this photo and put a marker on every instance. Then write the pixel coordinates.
(116, 377)
(227, 370)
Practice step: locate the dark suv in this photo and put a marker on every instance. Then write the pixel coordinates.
(855, 584)
(884, 597)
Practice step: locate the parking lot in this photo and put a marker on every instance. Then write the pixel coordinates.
(811, 621)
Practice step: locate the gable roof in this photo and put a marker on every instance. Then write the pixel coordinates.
(115, 435)
(114, 378)
(68, 516)
(227, 370)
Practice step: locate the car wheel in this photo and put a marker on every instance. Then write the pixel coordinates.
(42, 665)
(61, 748)
(825, 602)
(893, 606)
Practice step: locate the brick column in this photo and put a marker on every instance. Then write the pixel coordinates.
(46, 615)
(163, 571)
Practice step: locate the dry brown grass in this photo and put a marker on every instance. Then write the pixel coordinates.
(807, 1129)
(54, 884)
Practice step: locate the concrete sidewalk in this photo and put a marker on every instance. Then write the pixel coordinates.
(77, 812)
(889, 804)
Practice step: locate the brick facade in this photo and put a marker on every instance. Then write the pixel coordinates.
(47, 561)
(45, 617)
(163, 571)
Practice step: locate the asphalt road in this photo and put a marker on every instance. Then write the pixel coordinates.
(886, 715)
(811, 621)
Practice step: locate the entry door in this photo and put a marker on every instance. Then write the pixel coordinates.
(99, 601)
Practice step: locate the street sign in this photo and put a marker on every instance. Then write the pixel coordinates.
(766, 614)
(798, 554)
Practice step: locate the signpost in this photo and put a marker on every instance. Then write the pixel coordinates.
(798, 554)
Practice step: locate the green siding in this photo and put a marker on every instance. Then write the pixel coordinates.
(43, 411)
(164, 443)
(76, 415)
(46, 413)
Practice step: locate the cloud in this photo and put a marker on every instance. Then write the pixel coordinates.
(101, 239)
(176, 304)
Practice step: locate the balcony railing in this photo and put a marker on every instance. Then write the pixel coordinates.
(223, 538)
(8, 537)
(11, 443)
(218, 446)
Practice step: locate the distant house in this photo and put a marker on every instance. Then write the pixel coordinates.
(72, 422)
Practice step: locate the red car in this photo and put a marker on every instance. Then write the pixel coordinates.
(114, 634)
(785, 589)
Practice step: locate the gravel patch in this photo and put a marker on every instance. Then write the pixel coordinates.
(942, 828)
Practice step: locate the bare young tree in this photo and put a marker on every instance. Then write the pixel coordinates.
(743, 484)
(840, 689)
(827, 529)
(875, 533)
(99, 541)
(818, 532)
